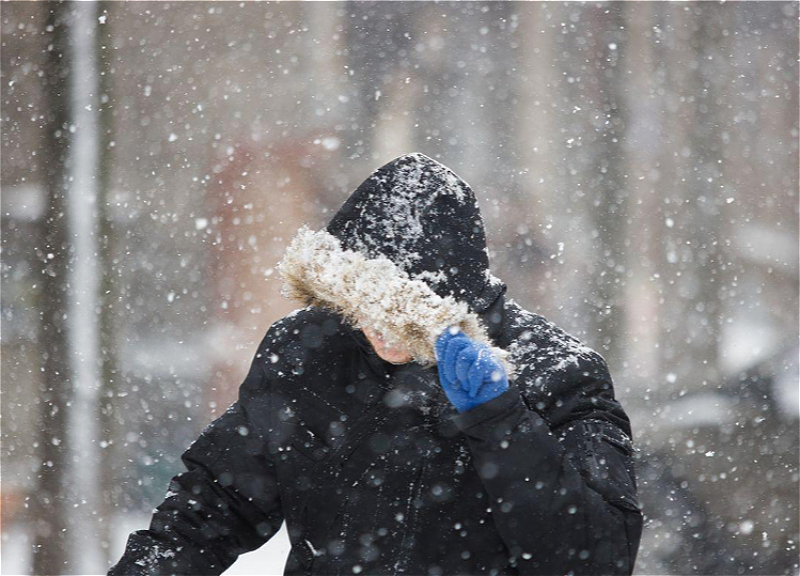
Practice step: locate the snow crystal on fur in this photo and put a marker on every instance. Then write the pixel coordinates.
(376, 293)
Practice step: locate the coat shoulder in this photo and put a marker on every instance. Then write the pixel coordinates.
(557, 375)
(537, 344)
(304, 323)
(304, 334)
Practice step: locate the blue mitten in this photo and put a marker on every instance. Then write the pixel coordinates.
(469, 372)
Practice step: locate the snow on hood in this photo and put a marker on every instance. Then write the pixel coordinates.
(406, 254)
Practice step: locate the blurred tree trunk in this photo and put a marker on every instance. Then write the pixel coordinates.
(701, 289)
(606, 186)
(65, 502)
(109, 295)
(49, 499)
(377, 26)
(690, 306)
(84, 472)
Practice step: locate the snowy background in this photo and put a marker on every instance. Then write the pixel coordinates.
(636, 163)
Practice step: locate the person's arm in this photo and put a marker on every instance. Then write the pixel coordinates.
(572, 495)
(226, 503)
(561, 505)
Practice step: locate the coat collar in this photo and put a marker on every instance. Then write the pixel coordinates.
(493, 317)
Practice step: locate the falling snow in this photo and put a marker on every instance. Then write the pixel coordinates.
(636, 165)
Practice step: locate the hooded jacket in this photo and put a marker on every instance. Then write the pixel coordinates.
(371, 468)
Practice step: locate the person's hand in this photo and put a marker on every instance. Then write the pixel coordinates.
(469, 372)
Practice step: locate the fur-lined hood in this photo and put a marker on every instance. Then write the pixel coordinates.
(406, 255)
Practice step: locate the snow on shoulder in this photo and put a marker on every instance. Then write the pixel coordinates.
(374, 292)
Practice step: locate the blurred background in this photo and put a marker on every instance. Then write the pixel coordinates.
(636, 164)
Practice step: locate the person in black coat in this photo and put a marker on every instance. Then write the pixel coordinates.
(410, 419)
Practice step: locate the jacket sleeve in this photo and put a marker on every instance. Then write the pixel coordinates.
(569, 493)
(225, 503)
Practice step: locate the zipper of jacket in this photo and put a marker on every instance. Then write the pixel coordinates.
(410, 517)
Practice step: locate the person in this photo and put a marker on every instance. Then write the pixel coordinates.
(411, 418)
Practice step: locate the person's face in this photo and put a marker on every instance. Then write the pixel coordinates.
(392, 354)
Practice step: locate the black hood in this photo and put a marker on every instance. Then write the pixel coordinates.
(424, 218)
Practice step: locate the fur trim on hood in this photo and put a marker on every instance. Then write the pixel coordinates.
(318, 271)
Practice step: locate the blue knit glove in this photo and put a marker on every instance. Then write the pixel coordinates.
(469, 372)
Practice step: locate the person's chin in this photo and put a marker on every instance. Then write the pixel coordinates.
(391, 359)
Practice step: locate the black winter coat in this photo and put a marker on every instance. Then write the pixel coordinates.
(374, 472)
